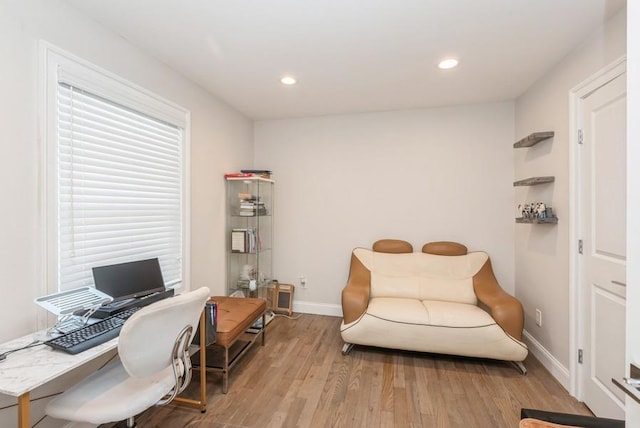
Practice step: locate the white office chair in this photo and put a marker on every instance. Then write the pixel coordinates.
(154, 365)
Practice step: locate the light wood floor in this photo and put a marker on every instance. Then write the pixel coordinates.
(301, 379)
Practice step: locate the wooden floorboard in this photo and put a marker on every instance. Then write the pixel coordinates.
(301, 379)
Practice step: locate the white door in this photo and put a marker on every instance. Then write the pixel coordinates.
(603, 264)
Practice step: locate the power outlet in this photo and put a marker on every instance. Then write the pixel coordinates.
(538, 317)
(303, 282)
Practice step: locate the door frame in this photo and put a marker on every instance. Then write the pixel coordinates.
(576, 303)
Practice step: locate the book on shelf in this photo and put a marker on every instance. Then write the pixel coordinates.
(250, 205)
(252, 212)
(264, 173)
(245, 240)
(238, 240)
(238, 175)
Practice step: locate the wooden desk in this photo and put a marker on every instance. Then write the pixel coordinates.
(26, 370)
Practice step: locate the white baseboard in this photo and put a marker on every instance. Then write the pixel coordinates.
(317, 308)
(557, 370)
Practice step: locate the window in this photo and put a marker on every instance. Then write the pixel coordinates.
(116, 175)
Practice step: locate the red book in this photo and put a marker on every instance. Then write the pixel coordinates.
(238, 175)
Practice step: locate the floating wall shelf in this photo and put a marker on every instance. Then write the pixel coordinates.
(533, 139)
(548, 220)
(532, 181)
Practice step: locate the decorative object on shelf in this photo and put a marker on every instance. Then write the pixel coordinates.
(247, 272)
(536, 212)
(533, 139)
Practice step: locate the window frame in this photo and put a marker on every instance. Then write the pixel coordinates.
(58, 65)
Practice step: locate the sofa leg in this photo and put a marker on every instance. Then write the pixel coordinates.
(346, 348)
(520, 366)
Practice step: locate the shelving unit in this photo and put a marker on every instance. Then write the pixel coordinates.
(529, 141)
(249, 234)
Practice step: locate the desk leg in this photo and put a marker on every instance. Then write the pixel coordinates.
(203, 363)
(202, 403)
(23, 410)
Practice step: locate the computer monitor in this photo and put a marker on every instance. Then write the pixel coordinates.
(129, 280)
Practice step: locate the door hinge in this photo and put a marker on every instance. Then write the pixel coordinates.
(580, 246)
(580, 136)
(580, 356)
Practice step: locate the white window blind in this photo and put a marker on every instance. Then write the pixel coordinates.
(119, 188)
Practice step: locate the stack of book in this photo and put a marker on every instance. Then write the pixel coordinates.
(251, 205)
(263, 173)
(249, 173)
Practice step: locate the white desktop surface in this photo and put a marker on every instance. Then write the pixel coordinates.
(25, 370)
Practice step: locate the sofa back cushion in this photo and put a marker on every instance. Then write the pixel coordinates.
(423, 276)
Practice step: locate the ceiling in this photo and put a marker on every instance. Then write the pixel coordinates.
(354, 55)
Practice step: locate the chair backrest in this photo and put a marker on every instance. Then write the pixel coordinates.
(147, 338)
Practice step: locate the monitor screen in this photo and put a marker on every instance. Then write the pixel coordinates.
(126, 280)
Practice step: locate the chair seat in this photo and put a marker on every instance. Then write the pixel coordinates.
(99, 400)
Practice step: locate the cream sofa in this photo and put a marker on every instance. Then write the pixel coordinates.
(442, 300)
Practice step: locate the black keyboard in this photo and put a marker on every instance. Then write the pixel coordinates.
(128, 312)
(88, 336)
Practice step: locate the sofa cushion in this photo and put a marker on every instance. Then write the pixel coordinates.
(429, 312)
(423, 276)
(432, 326)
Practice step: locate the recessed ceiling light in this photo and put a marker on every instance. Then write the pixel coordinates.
(448, 63)
(288, 80)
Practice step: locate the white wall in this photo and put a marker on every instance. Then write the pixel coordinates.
(542, 251)
(419, 175)
(221, 140)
